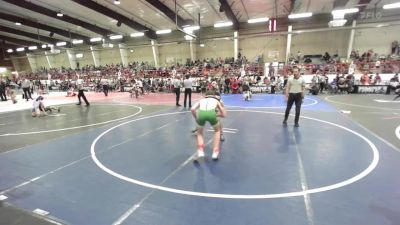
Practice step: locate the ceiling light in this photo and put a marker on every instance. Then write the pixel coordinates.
(10, 50)
(62, 43)
(392, 6)
(345, 11)
(18, 23)
(191, 28)
(131, 50)
(188, 38)
(59, 14)
(117, 2)
(163, 31)
(76, 42)
(202, 45)
(50, 45)
(97, 39)
(44, 46)
(115, 37)
(258, 20)
(223, 24)
(32, 47)
(139, 34)
(299, 15)
(79, 55)
(107, 45)
(20, 49)
(337, 23)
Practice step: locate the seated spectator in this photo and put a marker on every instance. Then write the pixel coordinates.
(377, 79)
(308, 60)
(326, 57)
(341, 84)
(365, 79)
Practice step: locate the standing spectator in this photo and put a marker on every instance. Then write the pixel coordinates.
(177, 88)
(139, 84)
(235, 86)
(395, 48)
(321, 81)
(187, 84)
(105, 87)
(271, 70)
(81, 93)
(377, 79)
(3, 90)
(227, 85)
(294, 94)
(121, 85)
(26, 84)
(11, 93)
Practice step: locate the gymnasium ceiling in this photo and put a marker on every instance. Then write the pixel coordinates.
(84, 19)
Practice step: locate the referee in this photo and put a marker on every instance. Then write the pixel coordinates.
(81, 93)
(294, 94)
(187, 84)
(177, 88)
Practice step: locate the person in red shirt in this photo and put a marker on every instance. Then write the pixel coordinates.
(235, 86)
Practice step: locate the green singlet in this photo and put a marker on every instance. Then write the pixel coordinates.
(207, 115)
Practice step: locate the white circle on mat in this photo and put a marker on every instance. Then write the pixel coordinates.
(351, 180)
(328, 98)
(77, 127)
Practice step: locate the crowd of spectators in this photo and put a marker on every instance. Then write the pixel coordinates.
(226, 74)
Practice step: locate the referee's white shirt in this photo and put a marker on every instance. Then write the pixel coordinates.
(295, 85)
(187, 83)
(176, 83)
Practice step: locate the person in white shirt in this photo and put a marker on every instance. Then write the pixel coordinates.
(81, 93)
(38, 108)
(177, 88)
(294, 94)
(26, 84)
(139, 84)
(187, 84)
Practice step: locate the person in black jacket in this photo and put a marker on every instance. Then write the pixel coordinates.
(3, 91)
